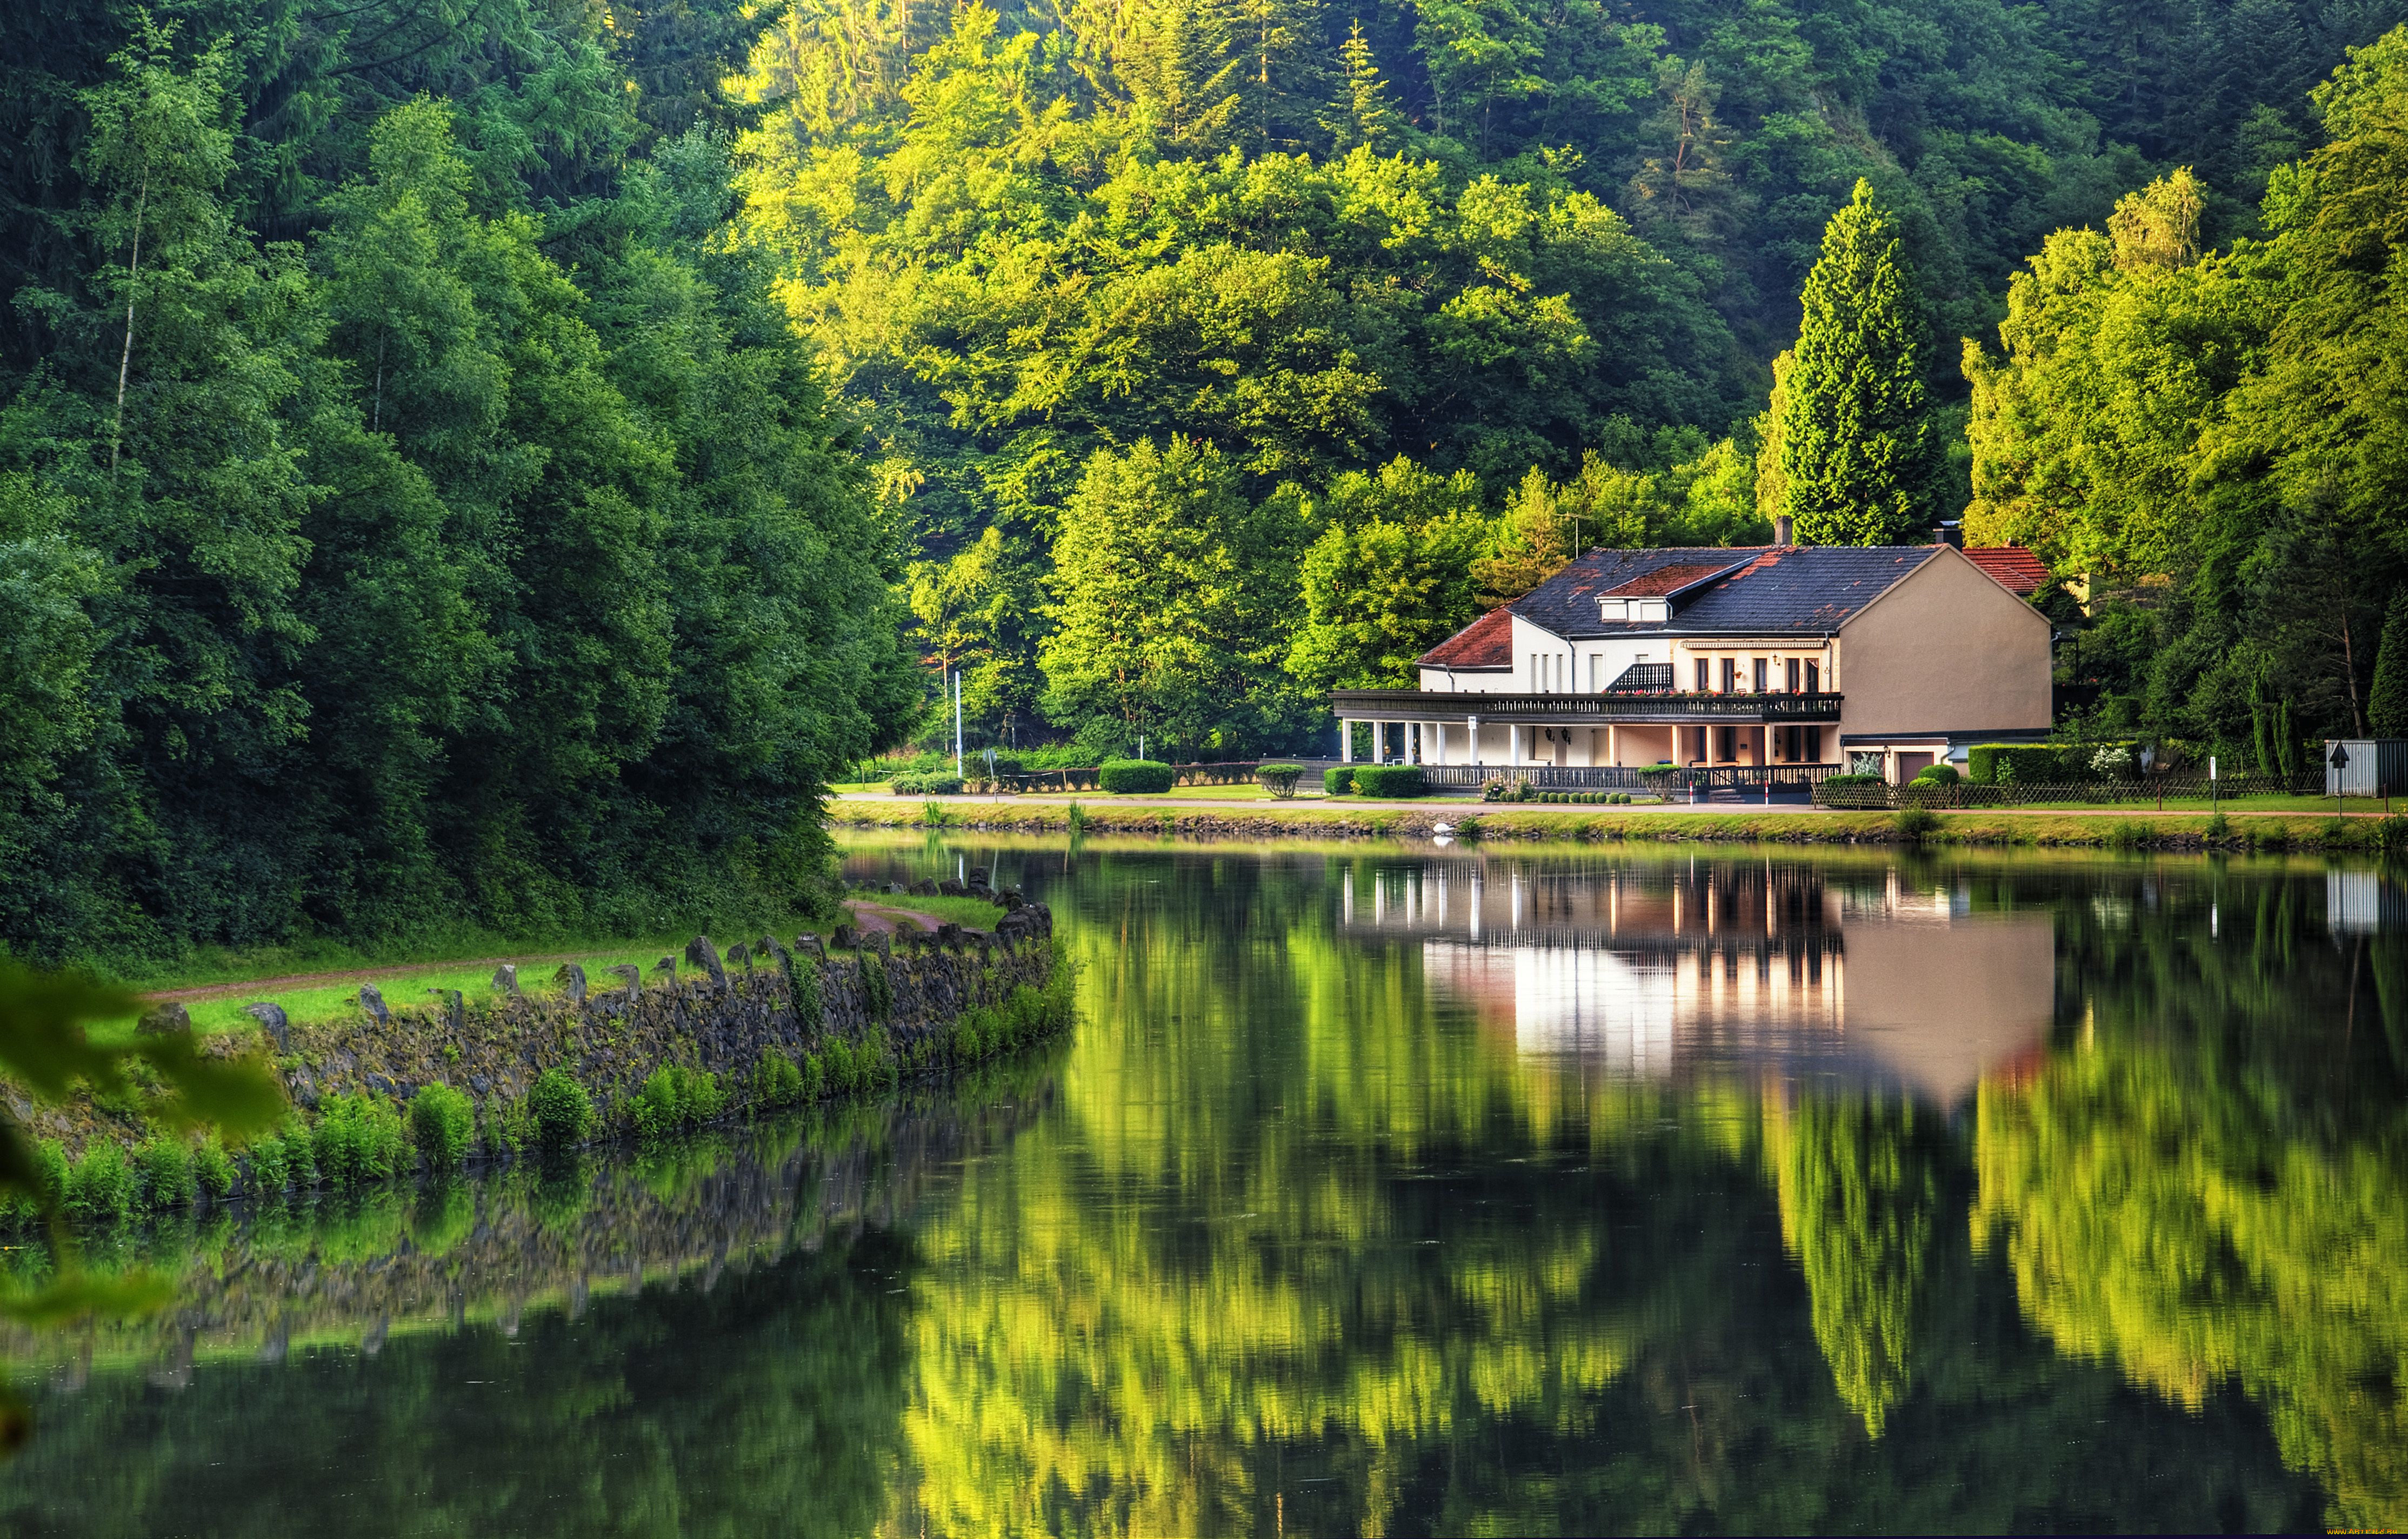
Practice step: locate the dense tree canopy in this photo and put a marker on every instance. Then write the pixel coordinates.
(485, 463)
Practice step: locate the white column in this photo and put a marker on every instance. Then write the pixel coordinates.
(1471, 730)
(1345, 741)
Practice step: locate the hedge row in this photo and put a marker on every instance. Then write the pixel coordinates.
(1374, 779)
(2051, 764)
(1135, 776)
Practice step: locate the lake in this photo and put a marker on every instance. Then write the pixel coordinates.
(1387, 1190)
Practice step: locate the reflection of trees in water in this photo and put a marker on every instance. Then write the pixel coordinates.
(2210, 1185)
(1860, 1194)
(1303, 1249)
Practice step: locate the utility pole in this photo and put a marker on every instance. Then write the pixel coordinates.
(957, 723)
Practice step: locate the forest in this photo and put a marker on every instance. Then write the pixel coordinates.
(492, 462)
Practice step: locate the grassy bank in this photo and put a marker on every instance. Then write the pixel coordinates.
(1344, 818)
(544, 1074)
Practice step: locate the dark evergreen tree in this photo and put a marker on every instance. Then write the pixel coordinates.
(2386, 703)
(1860, 454)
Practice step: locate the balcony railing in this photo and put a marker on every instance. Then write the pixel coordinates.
(1441, 705)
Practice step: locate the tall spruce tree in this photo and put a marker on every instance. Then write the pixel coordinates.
(2386, 703)
(1860, 459)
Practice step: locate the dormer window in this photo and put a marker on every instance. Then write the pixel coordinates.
(1613, 608)
(1651, 610)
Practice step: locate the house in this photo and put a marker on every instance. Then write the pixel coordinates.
(1785, 661)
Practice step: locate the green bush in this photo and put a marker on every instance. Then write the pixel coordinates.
(1853, 780)
(282, 1161)
(1915, 822)
(1339, 780)
(212, 1169)
(358, 1138)
(676, 1097)
(444, 1124)
(777, 1081)
(163, 1169)
(929, 785)
(2032, 763)
(49, 1174)
(1389, 780)
(1939, 775)
(1135, 776)
(100, 1187)
(563, 1112)
(877, 989)
(1279, 779)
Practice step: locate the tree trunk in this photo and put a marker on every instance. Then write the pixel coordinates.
(125, 355)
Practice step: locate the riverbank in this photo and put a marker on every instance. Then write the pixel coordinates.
(1347, 820)
(551, 1064)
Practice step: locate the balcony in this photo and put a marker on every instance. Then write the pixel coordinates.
(1780, 707)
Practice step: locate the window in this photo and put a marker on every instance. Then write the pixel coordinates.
(1595, 660)
(1813, 678)
(1727, 749)
(1537, 680)
(1793, 676)
(1763, 676)
(1813, 742)
(1730, 676)
(1701, 675)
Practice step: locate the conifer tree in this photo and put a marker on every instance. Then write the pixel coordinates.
(2387, 706)
(1360, 115)
(1860, 460)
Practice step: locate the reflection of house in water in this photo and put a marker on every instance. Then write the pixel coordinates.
(1648, 969)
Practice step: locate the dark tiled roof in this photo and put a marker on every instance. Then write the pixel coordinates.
(1566, 603)
(1485, 643)
(1773, 590)
(2017, 569)
(1665, 580)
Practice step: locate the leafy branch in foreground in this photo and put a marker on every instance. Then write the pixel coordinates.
(44, 1048)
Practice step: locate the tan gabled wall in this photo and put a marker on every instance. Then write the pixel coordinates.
(1946, 649)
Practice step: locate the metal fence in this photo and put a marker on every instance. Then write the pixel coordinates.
(1666, 781)
(2147, 790)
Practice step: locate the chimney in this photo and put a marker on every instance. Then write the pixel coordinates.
(1781, 529)
(1951, 532)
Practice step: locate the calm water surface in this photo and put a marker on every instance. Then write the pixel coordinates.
(1398, 1192)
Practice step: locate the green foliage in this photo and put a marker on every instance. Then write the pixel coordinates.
(212, 1169)
(676, 1097)
(777, 1080)
(1135, 777)
(877, 989)
(1173, 596)
(2386, 700)
(1860, 453)
(1914, 823)
(1938, 775)
(562, 1112)
(1337, 780)
(102, 1186)
(1389, 779)
(928, 785)
(1847, 780)
(163, 1173)
(1279, 779)
(358, 1139)
(443, 1125)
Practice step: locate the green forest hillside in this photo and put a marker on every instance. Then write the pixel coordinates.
(489, 463)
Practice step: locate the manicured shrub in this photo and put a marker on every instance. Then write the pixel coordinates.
(1389, 779)
(162, 1171)
(1844, 780)
(358, 1138)
(563, 1112)
(1279, 779)
(1339, 780)
(1939, 775)
(1135, 776)
(444, 1122)
(100, 1186)
(928, 785)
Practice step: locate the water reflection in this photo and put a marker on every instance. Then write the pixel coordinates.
(1392, 1192)
(1656, 968)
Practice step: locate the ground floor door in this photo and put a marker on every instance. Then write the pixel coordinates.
(1911, 764)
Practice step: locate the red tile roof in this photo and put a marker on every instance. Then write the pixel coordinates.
(1485, 643)
(1665, 580)
(2017, 569)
